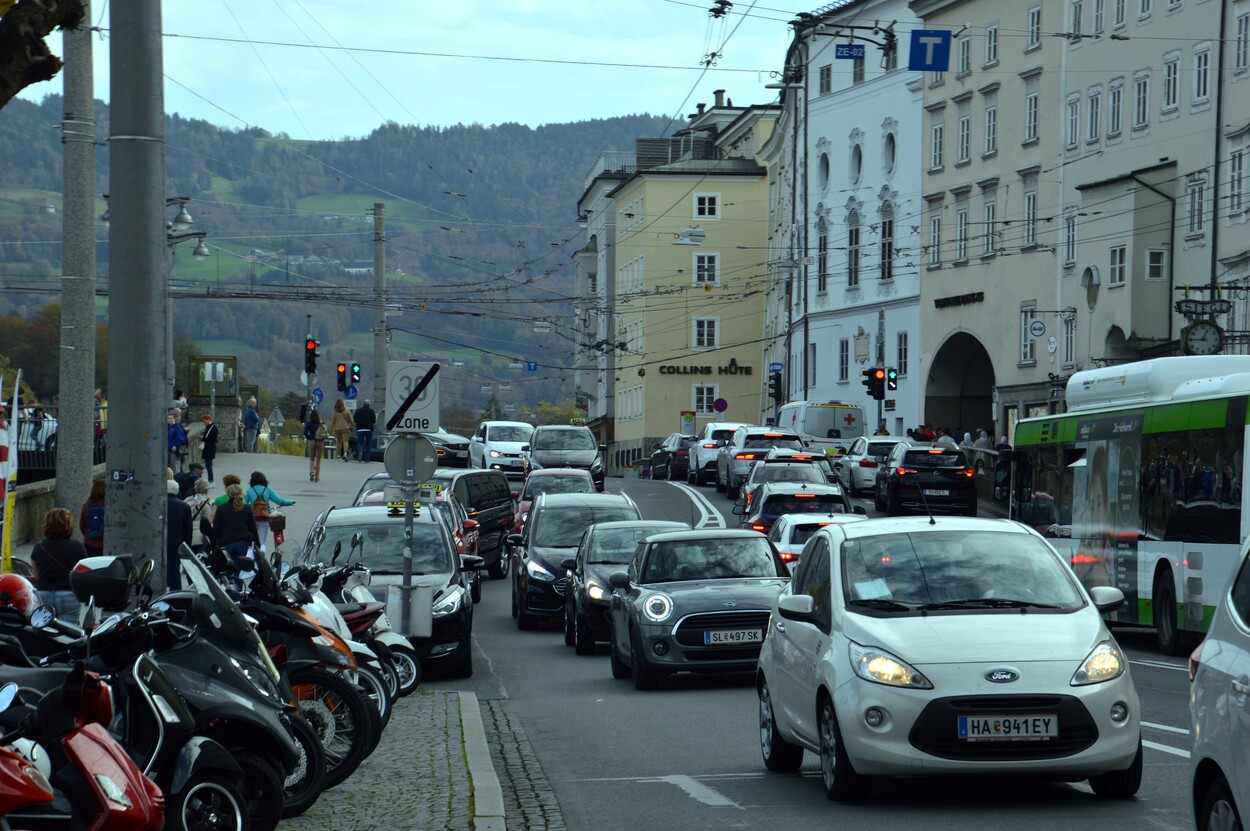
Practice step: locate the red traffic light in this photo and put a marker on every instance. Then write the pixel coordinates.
(310, 344)
(879, 374)
(342, 367)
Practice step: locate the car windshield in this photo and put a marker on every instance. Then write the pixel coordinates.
(562, 440)
(880, 448)
(820, 503)
(957, 569)
(711, 559)
(536, 485)
(800, 534)
(615, 545)
(787, 473)
(562, 526)
(721, 435)
(834, 422)
(382, 547)
(934, 458)
(508, 433)
(788, 442)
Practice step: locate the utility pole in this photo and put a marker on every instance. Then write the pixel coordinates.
(75, 433)
(138, 262)
(379, 306)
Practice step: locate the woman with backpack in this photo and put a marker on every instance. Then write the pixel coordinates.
(91, 520)
(234, 529)
(261, 497)
(315, 434)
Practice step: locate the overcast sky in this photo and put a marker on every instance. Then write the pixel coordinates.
(317, 69)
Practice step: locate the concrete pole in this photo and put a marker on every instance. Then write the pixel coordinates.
(135, 518)
(379, 307)
(75, 433)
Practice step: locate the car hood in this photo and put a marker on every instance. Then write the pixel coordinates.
(513, 447)
(947, 638)
(437, 581)
(564, 458)
(551, 558)
(743, 592)
(599, 572)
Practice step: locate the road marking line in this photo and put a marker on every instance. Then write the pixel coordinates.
(1165, 727)
(1162, 665)
(697, 790)
(709, 517)
(1175, 751)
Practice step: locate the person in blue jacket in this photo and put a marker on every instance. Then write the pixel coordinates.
(251, 426)
(258, 491)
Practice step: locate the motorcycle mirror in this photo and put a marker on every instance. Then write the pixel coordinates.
(40, 618)
(7, 693)
(338, 549)
(143, 573)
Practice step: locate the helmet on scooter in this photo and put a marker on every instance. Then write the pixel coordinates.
(19, 593)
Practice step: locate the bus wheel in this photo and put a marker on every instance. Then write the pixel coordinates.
(1166, 630)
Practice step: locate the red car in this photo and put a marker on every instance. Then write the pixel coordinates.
(549, 480)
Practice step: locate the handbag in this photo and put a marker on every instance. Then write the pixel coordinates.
(277, 522)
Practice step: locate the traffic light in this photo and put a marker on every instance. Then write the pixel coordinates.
(342, 382)
(891, 379)
(356, 373)
(868, 382)
(310, 355)
(874, 380)
(775, 389)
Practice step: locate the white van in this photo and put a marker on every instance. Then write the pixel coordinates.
(830, 426)
(497, 445)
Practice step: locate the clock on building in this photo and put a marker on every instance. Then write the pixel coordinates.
(1202, 337)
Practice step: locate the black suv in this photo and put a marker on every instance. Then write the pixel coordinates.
(672, 457)
(564, 445)
(488, 499)
(926, 479)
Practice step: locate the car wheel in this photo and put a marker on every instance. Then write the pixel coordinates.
(514, 606)
(851, 489)
(620, 669)
(779, 754)
(462, 667)
(1218, 812)
(732, 488)
(692, 477)
(655, 472)
(568, 622)
(894, 505)
(499, 570)
(1166, 631)
(1120, 784)
(645, 678)
(719, 485)
(583, 642)
(842, 783)
(876, 498)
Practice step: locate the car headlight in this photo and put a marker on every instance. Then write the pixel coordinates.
(596, 465)
(450, 604)
(595, 590)
(657, 607)
(539, 572)
(880, 667)
(495, 454)
(1103, 664)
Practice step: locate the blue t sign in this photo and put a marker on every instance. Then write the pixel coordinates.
(930, 50)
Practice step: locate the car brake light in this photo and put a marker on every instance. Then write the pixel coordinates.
(903, 471)
(683, 453)
(936, 451)
(759, 526)
(867, 462)
(1195, 658)
(786, 556)
(967, 472)
(805, 496)
(772, 435)
(710, 446)
(745, 457)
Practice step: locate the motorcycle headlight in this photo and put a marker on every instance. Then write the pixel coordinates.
(450, 604)
(657, 607)
(880, 667)
(259, 679)
(1103, 664)
(595, 591)
(538, 572)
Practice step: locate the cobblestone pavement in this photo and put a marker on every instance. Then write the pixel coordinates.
(529, 802)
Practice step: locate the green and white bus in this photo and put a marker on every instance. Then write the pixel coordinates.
(1140, 484)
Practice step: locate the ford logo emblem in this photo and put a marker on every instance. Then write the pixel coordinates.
(1001, 676)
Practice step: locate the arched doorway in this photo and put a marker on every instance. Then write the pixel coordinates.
(1116, 347)
(961, 381)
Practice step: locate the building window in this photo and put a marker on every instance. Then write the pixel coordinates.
(964, 61)
(1078, 14)
(852, 250)
(991, 45)
(1074, 122)
(707, 206)
(1237, 182)
(704, 397)
(1119, 255)
(965, 138)
(1030, 217)
(1171, 82)
(844, 360)
(1096, 26)
(1095, 115)
(826, 79)
(1241, 47)
(1144, 8)
(961, 234)
(706, 269)
(857, 72)
(1195, 199)
(887, 244)
(1202, 74)
(1027, 355)
(1069, 239)
(935, 240)
(1141, 101)
(891, 59)
(1035, 28)
(1156, 264)
(811, 364)
(988, 231)
(1118, 13)
(935, 145)
(991, 130)
(822, 262)
(705, 336)
(901, 361)
(1115, 108)
(936, 79)
(1069, 340)
(1030, 117)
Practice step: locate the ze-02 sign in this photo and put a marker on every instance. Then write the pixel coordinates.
(412, 396)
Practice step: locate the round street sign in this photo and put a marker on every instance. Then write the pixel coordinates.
(720, 405)
(1037, 328)
(318, 395)
(410, 459)
(350, 393)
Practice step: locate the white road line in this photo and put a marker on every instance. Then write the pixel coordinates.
(1162, 665)
(1175, 751)
(697, 790)
(709, 517)
(1167, 728)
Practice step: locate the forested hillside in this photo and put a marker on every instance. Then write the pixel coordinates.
(479, 234)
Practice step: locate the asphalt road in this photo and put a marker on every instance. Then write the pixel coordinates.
(687, 756)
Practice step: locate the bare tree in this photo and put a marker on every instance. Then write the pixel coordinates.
(24, 57)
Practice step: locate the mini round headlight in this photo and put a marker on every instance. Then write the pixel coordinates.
(657, 607)
(1119, 712)
(873, 717)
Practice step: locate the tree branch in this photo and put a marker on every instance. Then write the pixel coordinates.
(24, 57)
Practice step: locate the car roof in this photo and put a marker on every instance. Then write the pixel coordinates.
(560, 427)
(588, 499)
(924, 524)
(753, 430)
(508, 424)
(660, 526)
(769, 488)
(374, 514)
(706, 534)
(726, 425)
(819, 519)
(579, 472)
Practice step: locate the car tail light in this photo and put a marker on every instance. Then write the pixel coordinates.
(903, 471)
(936, 451)
(805, 496)
(745, 457)
(710, 446)
(759, 526)
(786, 556)
(1195, 659)
(772, 435)
(867, 462)
(683, 453)
(967, 472)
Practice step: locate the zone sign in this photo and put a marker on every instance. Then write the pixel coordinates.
(412, 396)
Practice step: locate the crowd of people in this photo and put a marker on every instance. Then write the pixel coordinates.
(957, 437)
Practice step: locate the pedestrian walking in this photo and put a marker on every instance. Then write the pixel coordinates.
(202, 509)
(341, 425)
(315, 434)
(91, 519)
(51, 561)
(176, 442)
(178, 529)
(251, 426)
(234, 530)
(366, 419)
(208, 444)
(262, 498)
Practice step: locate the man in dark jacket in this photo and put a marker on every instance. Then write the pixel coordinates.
(178, 531)
(365, 421)
(186, 479)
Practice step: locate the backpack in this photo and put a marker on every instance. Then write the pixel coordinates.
(95, 522)
(260, 507)
(321, 432)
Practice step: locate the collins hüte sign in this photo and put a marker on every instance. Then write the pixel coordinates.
(731, 368)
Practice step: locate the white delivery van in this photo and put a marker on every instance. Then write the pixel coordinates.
(830, 426)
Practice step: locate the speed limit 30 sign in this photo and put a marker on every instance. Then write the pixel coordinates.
(412, 396)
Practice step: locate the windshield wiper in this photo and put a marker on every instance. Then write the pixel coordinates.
(988, 603)
(880, 603)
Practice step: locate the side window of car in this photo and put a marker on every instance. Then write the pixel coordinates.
(1241, 594)
(816, 580)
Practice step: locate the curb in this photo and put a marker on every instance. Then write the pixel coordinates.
(488, 810)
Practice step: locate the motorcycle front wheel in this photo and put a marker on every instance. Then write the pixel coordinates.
(308, 779)
(340, 715)
(409, 668)
(210, 800)
(262, 790)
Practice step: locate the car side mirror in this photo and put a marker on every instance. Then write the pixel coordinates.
(569, 563)
(1106, 598)
(618, 580)
(740, 508)
(797, 607)
(472, 562)
(859, 509)
(603, 448)
(469, 525)
(516, 496)
(513, 539)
